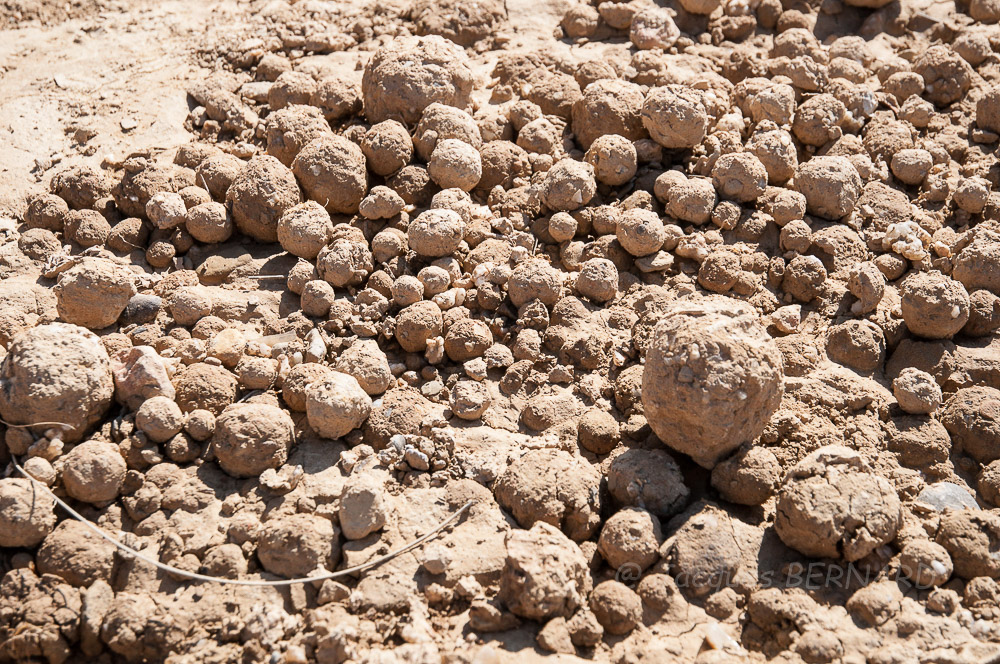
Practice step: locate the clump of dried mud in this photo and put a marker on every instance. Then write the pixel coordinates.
(696, 303)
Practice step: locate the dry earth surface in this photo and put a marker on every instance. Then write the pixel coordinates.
(694, 304)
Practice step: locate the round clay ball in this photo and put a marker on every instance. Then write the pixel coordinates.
(719, 272)
(408, 74)
(39, 244)
(831, 186)
(407, 290)
(831, 505)
(712, 379)
(209, 223)
(141, 179)
(503, 163)
(777, 151)
(541, 137)
(27, 514)
(387, 147)
(56, 373)
(616, 606)
(608, 107)
(598, 279)
(290, 129)
(336, 405)
(568, 185)
(252, 437)
(818, 119)
(630, 537)
(934, 305)
(80, 186)
(46, 211)
(454, 163)
(332, 172)
(346, 261)
(413, 184)
(613, 158)
(467, 339)
(858, 344)
(562, 226)
(804, 278)
(597, 431)
(640, 232)
(93, 293)
(205, 386)
(93, 472)
(435, 233)
(534, 279)
(675, 116)
(926, 563)
(911, 166)
(650, 479)
(749, 477)
(368, 364)
(701, 7)
(691, 200)
(200, 425)
(87, 228)
(984, 314)
(160, 418)
(916, 391)
(416, 324)
(387, 244)
(259, 195)
(740, 176)
(972, 194)
(866, 283)
(946, 75)
(304, 229)
(217, 173)
(440, 122)
(193, 195)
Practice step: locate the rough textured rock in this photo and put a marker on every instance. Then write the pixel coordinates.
(56, 373)
(554, 487)
(93, 471)
(649, 479)
(545, 574)
(93, 293)
(260, 194)
(712, 378)
(972, 537)
(630, 537)
(972, 417)
(703, 555)
(832, 505)
(26, 514)
(77, 554)
(336, 405)
(407, 75)
(298, 545)
(250, 438)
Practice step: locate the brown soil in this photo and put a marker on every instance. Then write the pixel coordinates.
(691, 305)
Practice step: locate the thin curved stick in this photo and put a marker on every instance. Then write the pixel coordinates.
(243, 582)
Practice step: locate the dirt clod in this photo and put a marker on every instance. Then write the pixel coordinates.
(691, 308)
